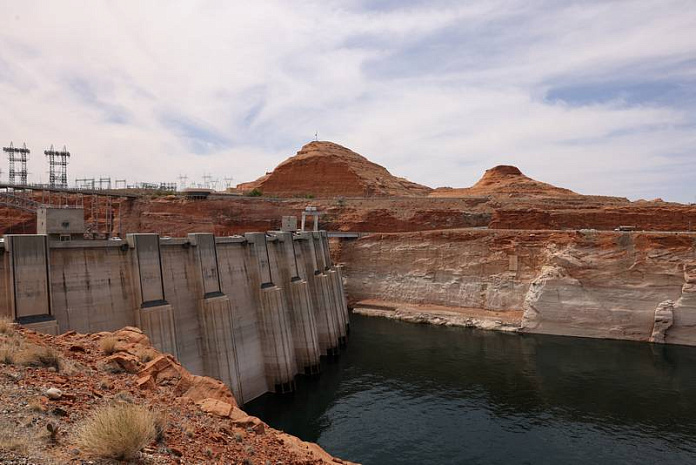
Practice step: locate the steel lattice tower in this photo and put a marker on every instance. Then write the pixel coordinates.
(57, 167)
(17, 154)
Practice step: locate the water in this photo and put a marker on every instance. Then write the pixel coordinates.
(417, 394)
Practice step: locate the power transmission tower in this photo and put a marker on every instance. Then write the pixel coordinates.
(57, 167)
(17, 154)
(183, 181)
(206, 180)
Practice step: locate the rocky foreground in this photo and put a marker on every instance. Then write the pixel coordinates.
(50, 387)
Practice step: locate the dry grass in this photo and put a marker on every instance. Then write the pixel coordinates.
(14, 350)
(35, 405)
(12, 441)
(146, 355)
(117, 431)
(6, 326)
(108, 345)
(9, 346)
(161, 424)
(7, 354)
(38, 356)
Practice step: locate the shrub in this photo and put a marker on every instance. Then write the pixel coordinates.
(7, 354)
(255, 193)
(161, 423)
(108, 345)
(146, 355)
(39, 356)
(118, 431)
(6, 326)
(13, 442)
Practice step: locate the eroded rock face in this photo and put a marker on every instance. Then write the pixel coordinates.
(664, 319)
(577, 283)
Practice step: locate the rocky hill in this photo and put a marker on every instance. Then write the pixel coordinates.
(324, 169)
(96, 398)
(505, 180)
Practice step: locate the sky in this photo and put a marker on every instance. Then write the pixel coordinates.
(595, 96)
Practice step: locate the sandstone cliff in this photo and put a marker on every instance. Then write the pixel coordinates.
(325, 169)
(578, 283)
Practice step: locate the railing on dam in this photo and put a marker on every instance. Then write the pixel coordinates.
(253, 310)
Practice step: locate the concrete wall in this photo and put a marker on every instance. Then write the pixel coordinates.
(60, 220)
(234, 308)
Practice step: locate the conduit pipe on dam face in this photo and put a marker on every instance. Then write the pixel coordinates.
(251, 311)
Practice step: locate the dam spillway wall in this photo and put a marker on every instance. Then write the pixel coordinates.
(242, 309)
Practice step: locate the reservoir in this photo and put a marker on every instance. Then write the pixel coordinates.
(406, 394)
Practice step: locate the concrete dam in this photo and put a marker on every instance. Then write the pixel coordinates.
(252, 310)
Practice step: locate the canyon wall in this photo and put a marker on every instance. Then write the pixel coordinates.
(620, 285)
(251, 310)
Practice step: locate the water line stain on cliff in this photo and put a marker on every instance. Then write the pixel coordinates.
(414, 394)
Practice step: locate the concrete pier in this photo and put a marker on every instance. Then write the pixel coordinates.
(276, 333)
(29, 297)
(320, 293)
(215, 316)
(253, 311)
(154, 314)
(336, 287)
(302, 320)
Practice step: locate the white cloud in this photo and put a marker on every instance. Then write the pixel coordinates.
(435, 92)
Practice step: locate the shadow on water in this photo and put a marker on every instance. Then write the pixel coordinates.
(415, 394)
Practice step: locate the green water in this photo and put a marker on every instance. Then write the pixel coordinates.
(417, 394)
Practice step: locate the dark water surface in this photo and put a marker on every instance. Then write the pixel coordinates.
(417, 394)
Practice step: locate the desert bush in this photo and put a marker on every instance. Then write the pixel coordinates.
(38, 356)
(7, 354)
(47, 357)
(35, 405)
(108, 345)
(255, 193)
(161, 424)
(117, 431)
(6, 326)
(146, 355)
(13, 442)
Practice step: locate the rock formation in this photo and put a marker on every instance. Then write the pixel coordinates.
(664, 319)
(505, 180)
(199, 420)
(325, 169)
(578, 283)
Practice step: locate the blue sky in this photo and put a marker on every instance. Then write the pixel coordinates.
(596, 96)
